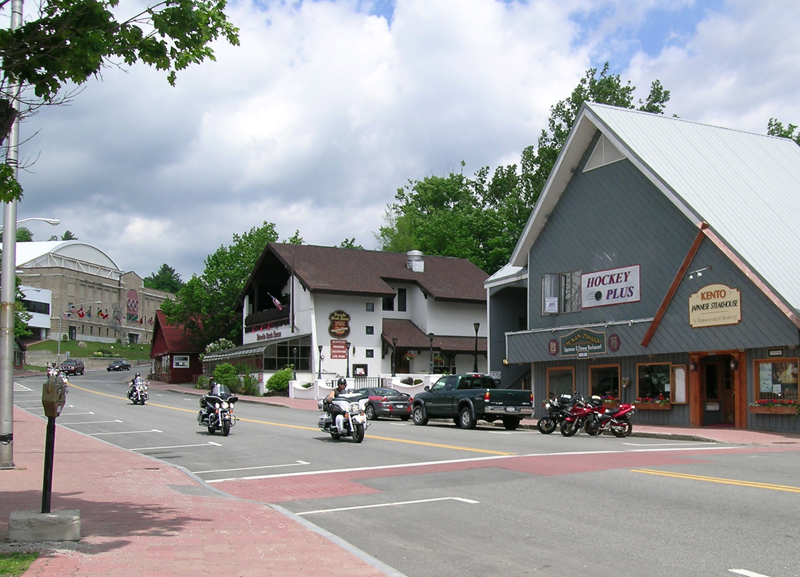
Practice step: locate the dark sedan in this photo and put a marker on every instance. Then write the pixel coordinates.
(384, 402)
(118, 366)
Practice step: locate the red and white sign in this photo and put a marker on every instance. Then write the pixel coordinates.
(338, 349)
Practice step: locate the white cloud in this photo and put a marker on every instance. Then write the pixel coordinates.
(324, 111)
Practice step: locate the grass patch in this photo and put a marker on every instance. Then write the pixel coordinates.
(15, 564)
(130, 352)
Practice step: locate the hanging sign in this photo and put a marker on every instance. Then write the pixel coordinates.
(715, 305)
(340, 324)
(610, 287)
(582, 343)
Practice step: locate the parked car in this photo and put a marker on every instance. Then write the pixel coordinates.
(118, 366)
(385, 402)
(471, 397)
(72, 367)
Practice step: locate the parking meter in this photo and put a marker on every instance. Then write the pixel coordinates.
(54, 395)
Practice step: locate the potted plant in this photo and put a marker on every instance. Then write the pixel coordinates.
(775, 407)
(659, 403)
(409, 355)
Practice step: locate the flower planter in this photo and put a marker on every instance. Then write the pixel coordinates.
(610, 404)
(773, 410)
(652, 406)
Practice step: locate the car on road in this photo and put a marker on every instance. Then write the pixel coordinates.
(386, 402)
(118, 366)
(72, 367)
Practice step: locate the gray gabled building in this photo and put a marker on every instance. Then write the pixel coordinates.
(659, 264)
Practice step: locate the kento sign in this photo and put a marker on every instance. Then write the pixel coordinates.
(715, 305)
(610, 287)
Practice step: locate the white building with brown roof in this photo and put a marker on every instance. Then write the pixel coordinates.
(356, 313)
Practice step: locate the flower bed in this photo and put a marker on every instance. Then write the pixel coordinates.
(652, 406)
(773, 407)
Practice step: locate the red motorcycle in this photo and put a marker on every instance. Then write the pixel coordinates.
(616, 420)
(578, 413)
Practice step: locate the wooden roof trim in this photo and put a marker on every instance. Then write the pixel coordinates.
(756, 280)
(673, 288)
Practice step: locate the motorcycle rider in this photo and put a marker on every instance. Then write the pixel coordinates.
(335, 411)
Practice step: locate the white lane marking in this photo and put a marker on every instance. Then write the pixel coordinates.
(500, 432)
(124, 433)
(659, 444)
(175, 447)
(75, 414)
(477, 459)
(91, 422)
(251, 468)
(746, 573)
(461, 499)
(21, 388)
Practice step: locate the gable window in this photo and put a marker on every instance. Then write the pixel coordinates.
(401, 299)
(561, 292)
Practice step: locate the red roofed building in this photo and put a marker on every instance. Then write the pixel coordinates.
(175, 357)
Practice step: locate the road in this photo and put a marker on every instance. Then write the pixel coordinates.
(442, 501)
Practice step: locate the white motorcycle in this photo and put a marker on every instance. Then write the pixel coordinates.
(137, 392)
(354, 423)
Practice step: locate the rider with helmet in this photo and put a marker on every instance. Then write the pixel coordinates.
(335, 411)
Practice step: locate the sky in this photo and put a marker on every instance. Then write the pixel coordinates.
(328, 107)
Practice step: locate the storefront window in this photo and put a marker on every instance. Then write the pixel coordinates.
(295, 352)
(653, 381)
(560, 381)
(605, 381)
(777, 380)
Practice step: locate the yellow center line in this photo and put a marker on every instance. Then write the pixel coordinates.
(421, 443)
(753, 484)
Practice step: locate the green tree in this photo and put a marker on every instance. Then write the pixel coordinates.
(206, 304)
(481, 218)
(23, 235)
(69, 41)
(295, 238)
(68, 236)
(21, 316)
(166, 279)
(350, 243)
(776, 128)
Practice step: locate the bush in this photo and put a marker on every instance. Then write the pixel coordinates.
(202, 382)
(280, 380)
(249, 385)
(225, 374)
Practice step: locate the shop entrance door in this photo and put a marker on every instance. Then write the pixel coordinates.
(718, 389)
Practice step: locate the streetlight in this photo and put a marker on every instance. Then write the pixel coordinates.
(294, 363)
(347, 344)
(430, 338)
(475, 366)
(7, 293)
(319, 364)
(60, 329)
(394, 354)
(52, 221)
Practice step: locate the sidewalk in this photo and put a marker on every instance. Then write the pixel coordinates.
(144, 518)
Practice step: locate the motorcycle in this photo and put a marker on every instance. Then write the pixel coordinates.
(355, 421)
(558, 409)
(573, 422)
(137, 392)
(616, 420)
(216, 410)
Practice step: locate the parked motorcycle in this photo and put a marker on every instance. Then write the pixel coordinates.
(616, 420)
(573, 422)
(137, 392)
(354, 423)
(216, 410)
(558, 409)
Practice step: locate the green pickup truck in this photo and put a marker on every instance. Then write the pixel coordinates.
(469, 398)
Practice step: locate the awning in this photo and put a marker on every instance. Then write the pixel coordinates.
(250, 350)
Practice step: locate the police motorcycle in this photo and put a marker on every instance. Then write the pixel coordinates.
(351, 407)
(216, 410)
(137, 392)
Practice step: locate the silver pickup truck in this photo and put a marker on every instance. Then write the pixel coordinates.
(471, 397)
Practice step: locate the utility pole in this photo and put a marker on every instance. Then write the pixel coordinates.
(8, 283)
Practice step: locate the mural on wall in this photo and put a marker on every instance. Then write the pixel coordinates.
(132, 306)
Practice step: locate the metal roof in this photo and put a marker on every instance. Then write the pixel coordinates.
(745, 186)
(41, 253)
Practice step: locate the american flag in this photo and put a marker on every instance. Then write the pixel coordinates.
(276, 302)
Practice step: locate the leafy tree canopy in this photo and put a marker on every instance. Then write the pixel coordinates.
(166, 279)
(350, 243)
(21, 316)
(69, 41)
(68, 236)
(206, 304)
(480, 218)
(23, 235)
(295, 238)
(776, 128)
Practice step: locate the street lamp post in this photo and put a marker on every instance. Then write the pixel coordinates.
(319, 364)
(430, 338)
(394, 354)
(347, 344)
(52, 221)
(294, 363)
(475, 365)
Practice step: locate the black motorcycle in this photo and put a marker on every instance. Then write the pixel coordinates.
(558, 409)
(216, 410)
